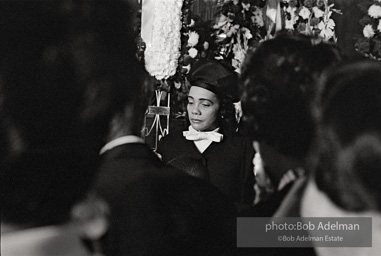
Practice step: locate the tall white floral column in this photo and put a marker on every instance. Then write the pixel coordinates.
(161, 25)
(160, 30)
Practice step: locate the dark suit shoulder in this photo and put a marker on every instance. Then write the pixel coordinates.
(169, 208)
(171, 137)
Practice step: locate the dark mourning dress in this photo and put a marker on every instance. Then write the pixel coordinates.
(229, 162)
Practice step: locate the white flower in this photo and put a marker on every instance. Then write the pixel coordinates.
(368, 31)
(161, 56)
(304, 13)
(375, 11)
(327, 29)
(246, 7)
(318, 13)
(206, 45)
(192, 52)
(289, 24)
(193, 39)
(379, 24)
(191, 23)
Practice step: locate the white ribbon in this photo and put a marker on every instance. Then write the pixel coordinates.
(198, 136)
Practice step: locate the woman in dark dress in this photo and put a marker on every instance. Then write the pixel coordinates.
(212, 135)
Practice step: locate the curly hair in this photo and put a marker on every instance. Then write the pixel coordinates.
(279, 88)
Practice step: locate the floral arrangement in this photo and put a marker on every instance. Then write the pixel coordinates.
(179, 38)
(195, 38)
(370, 43)
(161, 56)
(311, 17)
(239, 26)
(194, 45)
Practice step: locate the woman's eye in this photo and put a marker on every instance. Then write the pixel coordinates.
(206, 105)
(190, 103)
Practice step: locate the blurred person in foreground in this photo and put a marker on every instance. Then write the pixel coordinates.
(279, 79)
(156, 209)
(68, 78)
(347, 175)
(66, 68)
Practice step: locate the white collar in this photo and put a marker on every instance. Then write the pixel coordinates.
(191, 129)
(120, 141)
(202, 145)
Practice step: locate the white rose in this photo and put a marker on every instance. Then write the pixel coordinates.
(192, 52)
(304, 13)
(193, 39)
(327, 31)
(368, 31)
(318, 13)
(375, 11)
(379, 24)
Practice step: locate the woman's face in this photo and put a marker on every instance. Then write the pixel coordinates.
(202, 109)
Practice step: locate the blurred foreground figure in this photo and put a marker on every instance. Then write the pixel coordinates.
(66, 68)
(279, 79)
(347, 174)
(68, 78)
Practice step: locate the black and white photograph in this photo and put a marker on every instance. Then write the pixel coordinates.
(190, 127)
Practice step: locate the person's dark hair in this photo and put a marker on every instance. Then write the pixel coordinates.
(348, 168)
(66, 67)
(279, 87)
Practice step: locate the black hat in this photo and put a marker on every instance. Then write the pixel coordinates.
(213, 76)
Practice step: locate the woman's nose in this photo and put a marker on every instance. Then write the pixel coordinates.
(195, 110)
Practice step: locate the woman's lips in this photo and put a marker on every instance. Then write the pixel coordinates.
(196, 120)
